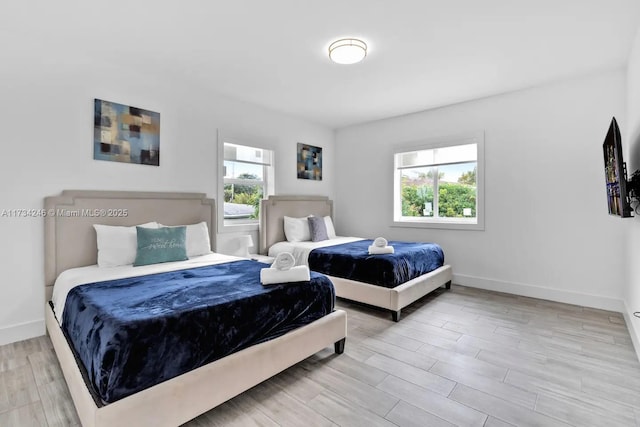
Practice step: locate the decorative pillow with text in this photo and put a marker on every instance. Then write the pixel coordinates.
(161, 245)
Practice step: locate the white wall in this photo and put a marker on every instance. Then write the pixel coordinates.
(547, 232)
(46, 114)
(631, 139)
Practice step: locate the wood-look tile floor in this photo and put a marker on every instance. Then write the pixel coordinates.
(462, 357)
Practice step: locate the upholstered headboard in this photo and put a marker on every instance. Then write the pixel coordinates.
(70, 239)
(275, 208)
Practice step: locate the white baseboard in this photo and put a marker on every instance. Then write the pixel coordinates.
(633, 325)
(21, 331)
(568, 297)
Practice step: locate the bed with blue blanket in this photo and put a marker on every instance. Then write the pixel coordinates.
(158, 345)
(389, 281)
(133, 333)
(352, 261)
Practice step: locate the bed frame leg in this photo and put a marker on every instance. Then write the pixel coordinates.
(447, 285)
(339, 346)
(395, 315)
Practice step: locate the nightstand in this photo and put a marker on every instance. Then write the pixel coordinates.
(262, 258)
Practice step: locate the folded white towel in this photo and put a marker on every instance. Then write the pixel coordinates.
(284, 261)
(269, 276)
(380, 242)
(374, 250)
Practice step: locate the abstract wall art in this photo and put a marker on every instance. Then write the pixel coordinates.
(309, 162)
(125, 134)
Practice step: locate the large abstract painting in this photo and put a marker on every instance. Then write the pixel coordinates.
(309, 162)
(126, 134)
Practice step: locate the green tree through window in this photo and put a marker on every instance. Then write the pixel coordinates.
(439, 183)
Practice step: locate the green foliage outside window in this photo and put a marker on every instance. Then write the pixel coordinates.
(244, 194)
(453, 197)
(414, 198)
(468, 178)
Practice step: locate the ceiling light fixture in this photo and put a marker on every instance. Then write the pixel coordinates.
(347, 51)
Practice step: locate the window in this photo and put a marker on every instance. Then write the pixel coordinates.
(440, 184)
(246, 177)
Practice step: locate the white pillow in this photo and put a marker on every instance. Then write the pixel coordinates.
(198, 242)
(296, 229)
(117, 245)
(331, 232)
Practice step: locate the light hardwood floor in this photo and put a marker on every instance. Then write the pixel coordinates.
(462, 357)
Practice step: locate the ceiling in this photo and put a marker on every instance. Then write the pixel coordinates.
(423, 53)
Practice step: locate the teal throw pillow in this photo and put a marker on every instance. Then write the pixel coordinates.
(156, 245)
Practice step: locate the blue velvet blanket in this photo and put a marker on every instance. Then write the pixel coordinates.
(133, 333)
(352, 261)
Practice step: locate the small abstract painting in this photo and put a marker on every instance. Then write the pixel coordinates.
(309, 162)
(126, 134)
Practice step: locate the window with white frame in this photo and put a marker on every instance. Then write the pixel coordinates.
(440, 183)
(246, 177)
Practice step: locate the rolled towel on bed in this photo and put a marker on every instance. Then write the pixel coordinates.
(284, 261)
(374, 250)
(380, 242)
(270, 276)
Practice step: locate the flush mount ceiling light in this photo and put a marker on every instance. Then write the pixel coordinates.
(347, 51)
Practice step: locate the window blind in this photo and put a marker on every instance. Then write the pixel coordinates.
(437, 156)
(241, 153)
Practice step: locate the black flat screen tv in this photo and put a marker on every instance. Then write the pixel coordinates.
(615, 173)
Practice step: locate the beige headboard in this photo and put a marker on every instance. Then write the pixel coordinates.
(70, 239)
(275, 208)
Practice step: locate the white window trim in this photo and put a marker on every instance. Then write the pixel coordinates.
(443, 223)
(252, 141)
